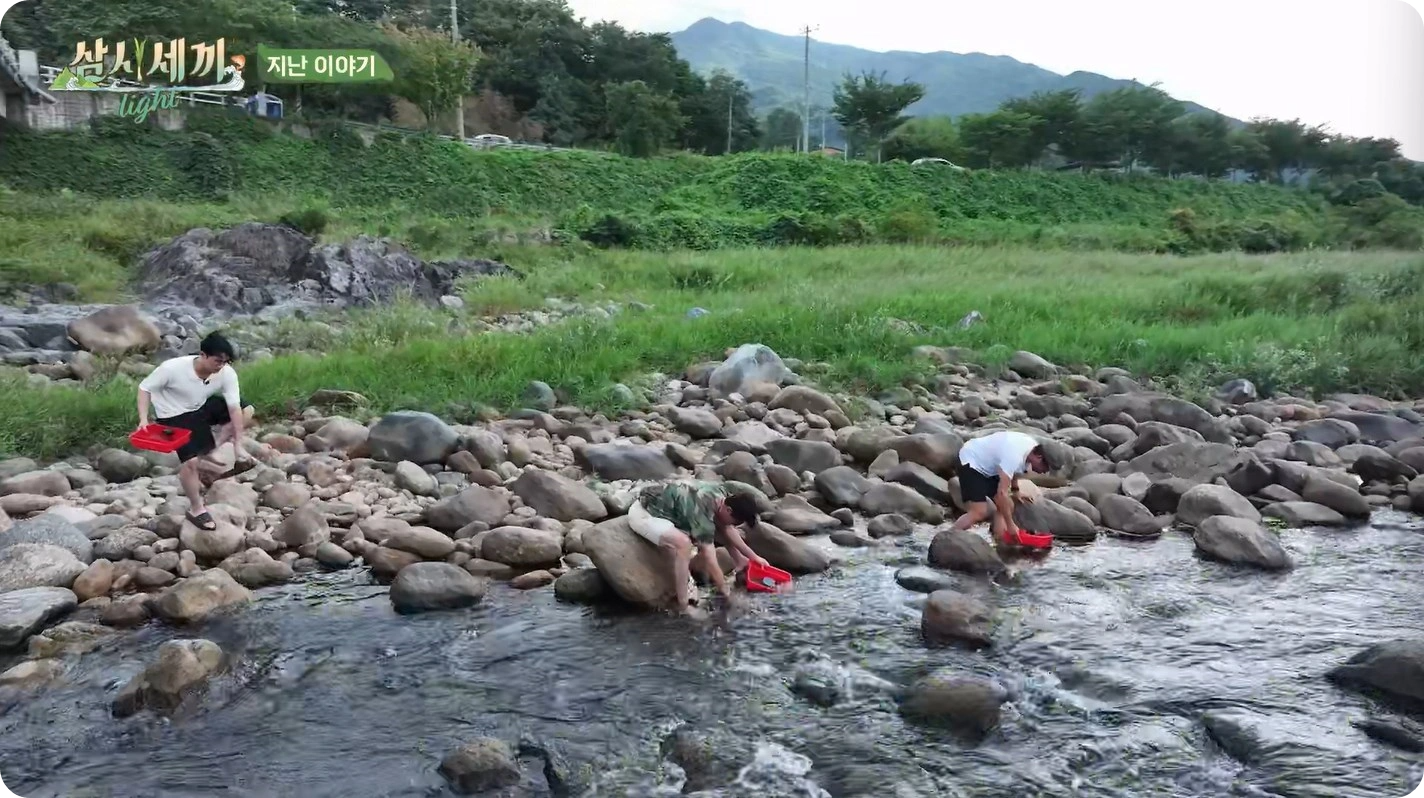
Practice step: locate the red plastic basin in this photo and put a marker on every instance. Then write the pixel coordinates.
(1034, 541)
(158, 438)
(765, 578)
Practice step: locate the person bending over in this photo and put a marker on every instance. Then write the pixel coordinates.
(682, 518)
(988, 467)
(196, 393)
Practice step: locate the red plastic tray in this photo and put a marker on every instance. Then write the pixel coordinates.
(765, 579)
(1035, 541)
(159, 438)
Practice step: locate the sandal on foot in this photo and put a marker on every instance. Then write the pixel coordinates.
(203, 520)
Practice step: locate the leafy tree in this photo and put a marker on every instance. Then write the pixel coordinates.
(1133, 123)
(431, 70)
(1201, 145)
(781, 130)
(723, 103)
(1289, 145)
(1057, 115)
(641, 120)
(998, 140)
(869, 107)
(925, 137)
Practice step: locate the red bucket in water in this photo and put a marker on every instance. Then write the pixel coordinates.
(158, 438)
(1030, 540)
(765, 579)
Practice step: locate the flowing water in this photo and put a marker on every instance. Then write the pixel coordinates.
(1112, 654)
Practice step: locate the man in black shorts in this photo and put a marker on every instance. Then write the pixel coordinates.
(987, 469)
(197, 393)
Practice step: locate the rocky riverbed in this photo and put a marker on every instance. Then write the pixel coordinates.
(1233, 589)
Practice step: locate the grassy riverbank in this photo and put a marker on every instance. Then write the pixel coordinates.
(1321, 321)
(82, 206)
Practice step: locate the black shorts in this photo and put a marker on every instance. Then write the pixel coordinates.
(974, 486)
(200, 422)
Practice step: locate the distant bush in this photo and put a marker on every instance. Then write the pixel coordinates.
(909, 225)
(610, 231)
(311, 220)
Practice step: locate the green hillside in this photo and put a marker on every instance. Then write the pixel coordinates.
(955, 83)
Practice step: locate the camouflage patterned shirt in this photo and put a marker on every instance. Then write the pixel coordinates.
(691, 506)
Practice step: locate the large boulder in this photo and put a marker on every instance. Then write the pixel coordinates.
(1205, 501)
(748, 365)
(951, 617)
(581, 586)
(514, 545)
(212, 545)
(421, 541)
(968, 705)
(435, 586)
(181, 668)
(922, 480)
(27, 565)
(1393, 669)
(1126, 514)
(634, 568)
(802, 456)
(619, 461)
(1343, 500)
(696, 422)
(407, 435)
(558, 497)
(255, 568)
(1378, 428)
(886, 497)
(306, 526)
(965, 552)
(24, 612)
(117, 465)
(115, 330)
(1241, 541)
(194, 598)
(939, 452)
(480, 766)
(1034, 367)
(1299, 515)
(804, 400)
(796, 516)
(35, 483)
(1379, 465)
(1331, 432)
(1064, 523)
(475, 503)
(842, 486)
(1191, 461)
(785, 551)
(51, 529)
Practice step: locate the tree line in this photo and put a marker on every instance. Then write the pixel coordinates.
(528, 69)
(531, 70)
(1134, 127)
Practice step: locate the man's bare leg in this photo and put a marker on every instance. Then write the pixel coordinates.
(978, 512)
(679, 548)
(191, 479)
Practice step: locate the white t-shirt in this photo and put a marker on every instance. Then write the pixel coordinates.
(177, 389)
(1006, 451)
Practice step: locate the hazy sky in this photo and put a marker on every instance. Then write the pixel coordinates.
(1356, 65)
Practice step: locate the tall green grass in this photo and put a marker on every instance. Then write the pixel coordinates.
(1303, 322)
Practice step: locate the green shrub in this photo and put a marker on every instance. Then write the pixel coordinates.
(311, 220)
(909, 225)
(610, 231)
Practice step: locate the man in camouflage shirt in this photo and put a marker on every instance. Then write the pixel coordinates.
(683, 516)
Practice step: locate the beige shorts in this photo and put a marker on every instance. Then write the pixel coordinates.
(648, 526)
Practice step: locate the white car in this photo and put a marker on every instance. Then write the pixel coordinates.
(919, 161)
(490, 140)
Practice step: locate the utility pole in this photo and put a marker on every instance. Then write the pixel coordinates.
(460, 104)
(806, 99)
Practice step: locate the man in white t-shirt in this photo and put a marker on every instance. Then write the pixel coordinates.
(987, 469)
(197, 393)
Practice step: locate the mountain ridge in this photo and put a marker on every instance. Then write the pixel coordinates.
(771, 64)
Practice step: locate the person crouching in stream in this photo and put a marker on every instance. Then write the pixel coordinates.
(682, 518)
(988, 469)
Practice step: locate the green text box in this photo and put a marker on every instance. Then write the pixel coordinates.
(321, 66)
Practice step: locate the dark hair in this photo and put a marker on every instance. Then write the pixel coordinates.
(743, 508)
(216, 344)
